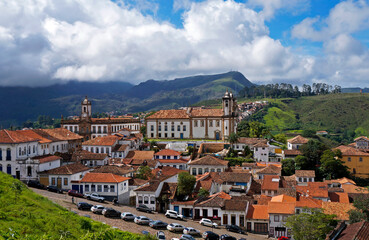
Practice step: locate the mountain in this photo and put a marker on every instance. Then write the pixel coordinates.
(354, 90)
(20, 104)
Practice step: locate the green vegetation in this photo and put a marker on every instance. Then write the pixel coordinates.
(26, 215)
(203, 193)
(144, 172)
(288, 167)
(186, 183)
(361, 202)
(311, 226)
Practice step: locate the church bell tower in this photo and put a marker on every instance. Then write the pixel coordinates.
(86, 109)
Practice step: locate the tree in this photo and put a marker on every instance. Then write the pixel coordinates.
(361, 202)
(356, 216)
(308, 133)
(233, 138)
(302, 163)
(143, 131)
(186, 183)
(281, 138)
(311, 226)
(332, 166)
(247, 152)
(203, 193)
(288, 167)
(144, 172)
(313, 151)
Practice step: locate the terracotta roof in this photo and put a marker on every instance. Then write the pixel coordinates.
(339, 209)
(348, 188)
(341, 197)
(167, 152)
(292, 152)
(235, 204)
(113, 169)
(361, 137)
(209, 160)
(238, 169)
(258, 212)
(33, 134)
(47, 158)
(187, 203)
(139, 162)
(281, 207)
(211, 147)
(283, 198)
(270, 182)
(62, 134)
(261, 144)
(251, 141)
(308, 202)
(150, 186)
(169, 114)
(351, 151)
(215, 200)
(204, 184)
(166, 171)
(341, 181)
(102, 141)
(305, 173)
(263, 199)
(355, 231)
(67, 169)
(230, 177)
(172, 160)
(86, 155)
(102, 178)
(270, 169)
(314, 189)
(169, 189)
(142, 155)
(201, 112)
(137, 182)
(120, 148)
(7, 136)
(255, 187)
(298, 140)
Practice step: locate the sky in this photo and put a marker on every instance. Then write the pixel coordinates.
(43, 42)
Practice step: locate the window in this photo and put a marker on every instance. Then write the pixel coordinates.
(284, 218)
(210, 123)
(152, 200)
(106, 188)
(8, 154)
(53, 148)
(165, 127)
(152, 135)
(300, 179)
(34, 149)
(93, 188)
(297, 211)
(140, 200)
(172, 127)
(20, 151)
(112, 188)
(202, 123)
(146, 200)
(195, 123)
(107, 150)
(53, 181)
(276, 218)
(160, 135)
(29, 171)
(87, 188)
(97, 150)
(219, 170)
(172, 135)
(212, 170)
(206, 170)
(57, 147)
(193, 171)
(184, 127)
(166, 135)
(178, 128)
(200, 171)
(218, 123)
(1, 154)
(349, 159)
(99, 188)
(65, 181)
(360, 159)
(215, 212)
(1, 167)
(159, 127)
(152, 128)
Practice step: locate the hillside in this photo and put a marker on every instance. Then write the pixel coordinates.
(26, 215)
(22, 103)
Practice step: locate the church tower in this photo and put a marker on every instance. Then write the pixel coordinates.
(85, 109)
(228, 103)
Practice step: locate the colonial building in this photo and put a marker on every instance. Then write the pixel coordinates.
(89, 127)
(195, 122)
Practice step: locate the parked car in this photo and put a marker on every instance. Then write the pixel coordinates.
(186, 237)
(142, 220)
(209, 235)
(143, 208)
(158, 224)
(173, 214)
(191, 231)
(160, 235)
(110, 212)
(175, 227)
(95, 197)
(75, 193)
(227, 237)
(84, 206)
(283, 238)
(54, 189)
(127, 216)
(97, 209)
(235, 228)
(208, 222)
(35, 184)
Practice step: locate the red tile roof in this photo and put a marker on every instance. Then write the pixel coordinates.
(47, 158)
(167, 152)
(271, 169)
(62, 134)
(283, 198)
(270, 182)
(142, 155)
(201, 112)
(339, 209)
(341, 197)
(258, 212)
(7, 136)
(355, 231)
(308, 202)
(351, 151)
(102, 141)
(67, 169)
(103, 178)
(292, 152)
(298, 140)
(209, 160)
(169, 114)
(361, 137)
(172, 161)
(281, 207)
(166, 171)
(305, 173)
(314, 189)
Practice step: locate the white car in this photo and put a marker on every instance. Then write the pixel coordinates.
(97, 209)
(173, 214)
(208, 222)
(175, 227)
(142, 220)
(127, 216)
(191, 231)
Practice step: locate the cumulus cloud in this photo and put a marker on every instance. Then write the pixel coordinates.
(46, 41)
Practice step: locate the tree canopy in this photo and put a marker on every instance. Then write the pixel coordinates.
(288, 167)
(332, 166)
(186, 183)
(252, 129)
(144, 172)
(313, 151)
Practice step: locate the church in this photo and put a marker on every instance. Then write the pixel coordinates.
(89, 127)
(195, 123)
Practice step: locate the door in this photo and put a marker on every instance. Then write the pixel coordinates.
(176, 208)
(59, 182)
(242, 220)
(217, 135)
(205, 213)
(9, 169)
(181, 135)
(197, 214)
(262, 228)
(248, 226)
(17, 174)
(81, 188)
(233, 219)
(225, 219)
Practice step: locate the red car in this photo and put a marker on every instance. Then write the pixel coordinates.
(283, 238)
(75, 193)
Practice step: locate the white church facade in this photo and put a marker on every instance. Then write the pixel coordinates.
(195, 123)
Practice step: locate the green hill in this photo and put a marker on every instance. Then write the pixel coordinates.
(26, 215)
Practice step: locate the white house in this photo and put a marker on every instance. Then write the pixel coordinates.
(108, 185)
(196, 123)
(120, 151)
(232, 183)
(257, 219)
(207, 164)
(296, 142)
(90, 159)
(304, 176)
(32, 166)
(101, 144)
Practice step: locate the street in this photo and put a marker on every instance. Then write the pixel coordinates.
(66, 201)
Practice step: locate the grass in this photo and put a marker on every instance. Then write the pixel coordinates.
(27, 215)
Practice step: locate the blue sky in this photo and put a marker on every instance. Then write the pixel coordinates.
(43, 42)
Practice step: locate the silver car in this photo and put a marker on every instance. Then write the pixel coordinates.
(97, 209)
(142, 220)
(175, 227)
(127, 216)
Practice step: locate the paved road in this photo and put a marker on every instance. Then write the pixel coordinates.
(66, 201)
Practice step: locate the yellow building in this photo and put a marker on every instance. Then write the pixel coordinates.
(356, 157)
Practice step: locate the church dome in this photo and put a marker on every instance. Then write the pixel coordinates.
(226, 95)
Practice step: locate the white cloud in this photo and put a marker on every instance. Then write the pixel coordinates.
(46, 41)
